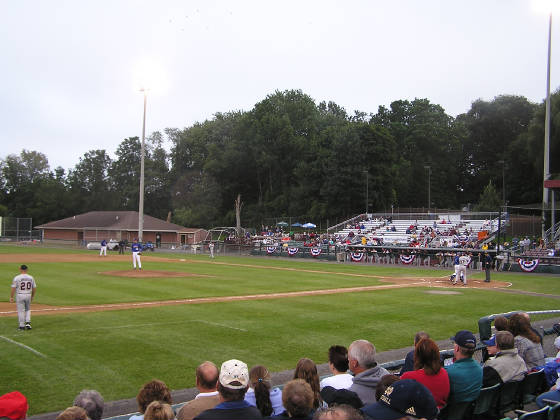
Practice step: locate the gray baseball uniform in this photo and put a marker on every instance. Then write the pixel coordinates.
(23, 285)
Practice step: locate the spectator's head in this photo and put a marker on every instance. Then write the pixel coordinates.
(384, 382)
(207, 377)
(519, 325)
(92, 402)
(334, 396)
(406, 397)
(297, 398)
(338, 412)
(260, 380)
(491, 345)
(465, 343)
(557, 343)
(234, 380)
(338, 358)
(419, 336)
(306, 369)
(426, 356)
(155, 390)
(13, 405)
(361, 356)
(73, 413)
(158, 410)
(501, 323)
(504, 340)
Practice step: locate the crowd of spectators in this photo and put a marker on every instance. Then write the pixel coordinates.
(358, 388)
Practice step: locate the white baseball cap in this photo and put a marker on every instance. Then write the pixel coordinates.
(234, 374)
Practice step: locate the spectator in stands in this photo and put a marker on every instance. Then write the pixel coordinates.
(428, 370)
(73, 413)
(361, 361)
(501, 323)
(13, 406)
(155, 390)
(297, 398)
(338, 412)
(507, 365)
(385, 382)
(157, 410)
(208, 397)
(527, 341)
(306, 369)
(261, 394)
(233, 383)
(409, 359)
(92, 402)
(333, 396)
(338, 365)
(404, 398)
(465, 374)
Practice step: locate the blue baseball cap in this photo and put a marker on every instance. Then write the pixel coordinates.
(465, 338)
(490, 342)
(406, 397)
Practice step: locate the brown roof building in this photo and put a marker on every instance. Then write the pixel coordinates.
(117, 225)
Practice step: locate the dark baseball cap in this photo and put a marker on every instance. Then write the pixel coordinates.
(465, 338)
(341, 396)
(406, 397)
(23, 267)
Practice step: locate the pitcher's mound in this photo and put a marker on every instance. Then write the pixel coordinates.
(150, 273)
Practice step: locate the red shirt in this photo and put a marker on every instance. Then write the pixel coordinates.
(437, 384)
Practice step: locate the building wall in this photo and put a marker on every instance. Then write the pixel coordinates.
(98, 235)
(64, 234)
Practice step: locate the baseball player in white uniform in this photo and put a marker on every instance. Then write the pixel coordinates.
(461, 268)
(211, 248)
(23, 287)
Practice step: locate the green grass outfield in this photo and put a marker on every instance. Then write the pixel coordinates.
(117, 351)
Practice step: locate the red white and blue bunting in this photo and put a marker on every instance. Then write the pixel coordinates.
(270, 249)
(315, 252)
(407, 259)
(357, 256)
(528, 265)
(293, 250)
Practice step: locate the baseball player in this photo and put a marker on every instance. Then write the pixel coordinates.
(136, 252)
(211, 248)
(23, 287)
(103, 248)
(461, 262)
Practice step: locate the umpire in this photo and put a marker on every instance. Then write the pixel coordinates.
(487, 266)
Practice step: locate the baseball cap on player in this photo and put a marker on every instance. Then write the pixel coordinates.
(23, 267)
(234, 374)
(465, 339)
(13, 405)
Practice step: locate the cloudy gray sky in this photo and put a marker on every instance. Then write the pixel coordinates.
(69, 74)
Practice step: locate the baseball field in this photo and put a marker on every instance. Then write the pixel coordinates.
(98, 324)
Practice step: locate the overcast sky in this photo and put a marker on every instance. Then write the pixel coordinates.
(69, 70)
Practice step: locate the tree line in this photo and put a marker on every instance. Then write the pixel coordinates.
(291, 156)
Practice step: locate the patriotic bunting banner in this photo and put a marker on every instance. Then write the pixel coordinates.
(528, 265)
(315, 252)
(357, 256)
(293, 250)
(407, 259)
(270, 249)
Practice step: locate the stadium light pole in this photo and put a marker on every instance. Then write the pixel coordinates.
(142, 153)
(546, 166)
(367, 191)
(503, 162)
(429, 168)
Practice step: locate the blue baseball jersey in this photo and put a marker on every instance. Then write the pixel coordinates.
(136, 247)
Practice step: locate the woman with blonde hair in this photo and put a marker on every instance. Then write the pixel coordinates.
(261, 394)
(158, 410)
(306, 369)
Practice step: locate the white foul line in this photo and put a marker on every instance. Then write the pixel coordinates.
(23, 346)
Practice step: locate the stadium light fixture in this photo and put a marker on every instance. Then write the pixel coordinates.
(142, 154)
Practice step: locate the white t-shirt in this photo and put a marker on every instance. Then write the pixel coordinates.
(24, 284)
(341, 381)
